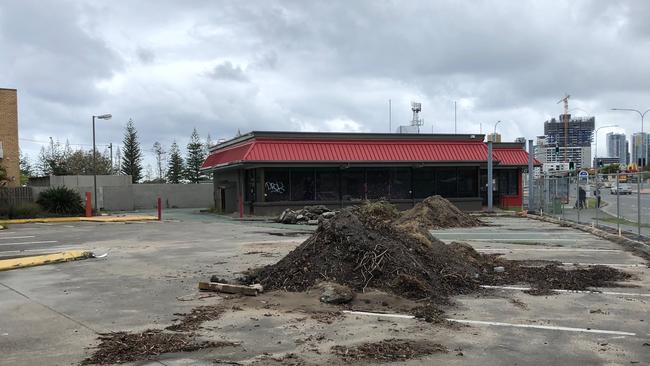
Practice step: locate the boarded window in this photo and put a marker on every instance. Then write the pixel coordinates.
(447, 183)
(423, 182)
(352, 184)
(303, 186)
(378, 180)
(467, 182)
(276, 184)
(327, 184)
(400, 183)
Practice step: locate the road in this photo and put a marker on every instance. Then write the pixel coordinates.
(629, 206)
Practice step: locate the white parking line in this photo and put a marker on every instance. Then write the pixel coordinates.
(549, 249)
(604, 264)
(31, 242)
(531, 326)
(517, 288)
(16, 237)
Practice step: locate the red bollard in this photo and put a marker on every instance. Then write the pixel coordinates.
(159, 209)
(89, 205)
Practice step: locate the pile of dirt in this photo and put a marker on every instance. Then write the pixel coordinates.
(193, 320)
(122, 347)
(389, 350)
(310, 215)
(434, 213)
(359, 251)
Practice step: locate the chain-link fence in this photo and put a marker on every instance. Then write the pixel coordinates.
(618, 201)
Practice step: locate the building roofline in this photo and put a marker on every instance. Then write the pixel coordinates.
(348, 136)
(12, 89)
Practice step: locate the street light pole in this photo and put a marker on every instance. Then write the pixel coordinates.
(598, 172)
(644, 144)
(494, 135)
(106, 117)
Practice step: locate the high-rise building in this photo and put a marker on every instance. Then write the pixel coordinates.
(573, 144)
(494, 137)
(9, 158)
(640, 146)
(617, 147)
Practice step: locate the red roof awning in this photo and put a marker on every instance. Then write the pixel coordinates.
(273, 150)
(283, 150)
(512, 156)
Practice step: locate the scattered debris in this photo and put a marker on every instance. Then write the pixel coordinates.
(518, 303)
(389, 350)
(333, 293)
(598, 311)
(122, 347)
(429, 313)
(327, 317)
(311, 215)
(231, 289)
(434, 213)
(198, 315)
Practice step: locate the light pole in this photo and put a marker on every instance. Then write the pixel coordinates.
(644, 144)
(106, 117)
(494, 135)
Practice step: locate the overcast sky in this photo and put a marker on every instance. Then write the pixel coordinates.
(221, 66)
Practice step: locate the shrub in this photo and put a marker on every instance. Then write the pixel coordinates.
(21, 211)
(61, 200)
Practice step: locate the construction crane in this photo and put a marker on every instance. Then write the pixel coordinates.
(565, 117)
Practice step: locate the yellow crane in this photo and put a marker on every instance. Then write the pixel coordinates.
(565, 118)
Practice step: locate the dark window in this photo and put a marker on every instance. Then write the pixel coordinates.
(507, 181)
(327, 185)
(352, 184)
(447, 184)
(303, 187)
(250, 185)
(467, 182)
(513, 183)
(400, 183)
(276, 184)
(423, 182)
(377, 180)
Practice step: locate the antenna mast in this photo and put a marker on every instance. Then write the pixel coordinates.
(417, 121)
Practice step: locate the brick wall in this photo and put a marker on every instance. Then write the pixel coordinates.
(9, 134)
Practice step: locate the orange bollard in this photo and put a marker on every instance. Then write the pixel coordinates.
(89, 205)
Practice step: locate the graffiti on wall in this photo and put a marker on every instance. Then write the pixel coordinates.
(274, 187)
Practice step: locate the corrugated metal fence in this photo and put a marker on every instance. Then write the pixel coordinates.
(15, 196)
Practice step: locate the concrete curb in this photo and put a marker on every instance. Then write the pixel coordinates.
(630, 243)
(39, 260)
(78, 219)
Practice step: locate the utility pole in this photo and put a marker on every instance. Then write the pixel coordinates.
(110, 148)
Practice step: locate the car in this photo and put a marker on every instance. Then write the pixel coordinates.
(622, 188)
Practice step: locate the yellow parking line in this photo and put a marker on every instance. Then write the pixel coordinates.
(77, 219)
(39, 260)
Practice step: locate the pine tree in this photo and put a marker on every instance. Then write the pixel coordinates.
(175, 168)
(131, 153)
(195, 158)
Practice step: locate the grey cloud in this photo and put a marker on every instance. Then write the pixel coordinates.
(228, 71)
(145, 55)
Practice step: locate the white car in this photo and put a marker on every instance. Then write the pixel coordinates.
(623, 188)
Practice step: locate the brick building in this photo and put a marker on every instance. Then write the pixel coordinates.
(9, 155)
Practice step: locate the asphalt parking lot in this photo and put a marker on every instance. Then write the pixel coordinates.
(53, 314)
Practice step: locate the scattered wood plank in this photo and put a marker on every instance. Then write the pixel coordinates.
(230, 289)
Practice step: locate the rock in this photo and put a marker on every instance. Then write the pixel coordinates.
(333, 293)
(328, 215)
(499, 269)
(312, 222)
(316, 209)
(300, 217)
(290, 217)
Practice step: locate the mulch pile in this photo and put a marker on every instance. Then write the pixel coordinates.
(361, 251)
(434, 213)
(390, 350)
(122, 347)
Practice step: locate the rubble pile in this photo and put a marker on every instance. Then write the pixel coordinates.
(310, 215)
(434, 213)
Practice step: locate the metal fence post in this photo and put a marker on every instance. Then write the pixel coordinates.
(598, 194)
(578, 196)
(618, 205)
(638, 203)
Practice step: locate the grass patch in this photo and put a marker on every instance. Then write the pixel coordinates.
(614, 220)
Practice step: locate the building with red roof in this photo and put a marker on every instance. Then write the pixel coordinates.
(264, 172)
